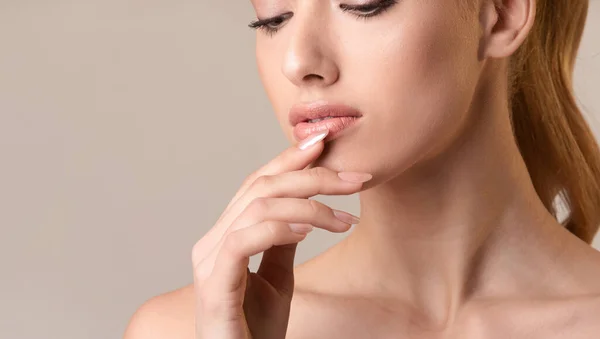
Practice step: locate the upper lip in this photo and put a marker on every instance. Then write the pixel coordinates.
(315, 110)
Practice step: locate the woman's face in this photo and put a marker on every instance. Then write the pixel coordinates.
(409, 66)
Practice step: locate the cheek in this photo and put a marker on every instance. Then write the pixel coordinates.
(419, 78)
(418, 59)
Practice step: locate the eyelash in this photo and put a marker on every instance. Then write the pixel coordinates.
(372, 10)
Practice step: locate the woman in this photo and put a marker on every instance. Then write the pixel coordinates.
(456, 122)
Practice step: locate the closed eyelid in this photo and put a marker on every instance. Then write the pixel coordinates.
(344, 4)
(273, 7)
(259, 21)
(364, 11)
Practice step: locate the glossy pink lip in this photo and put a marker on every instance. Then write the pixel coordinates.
(342, 117)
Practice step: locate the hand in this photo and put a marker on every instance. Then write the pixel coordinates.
(270, 213)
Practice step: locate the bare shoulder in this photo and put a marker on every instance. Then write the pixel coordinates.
(573, 318)
(169, 315)
(587, 267)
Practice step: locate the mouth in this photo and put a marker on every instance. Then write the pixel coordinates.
(319, 116)
(319, 119)
(335, 125)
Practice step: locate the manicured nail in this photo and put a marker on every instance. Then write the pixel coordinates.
(355, 176)
(346, 217)
(312, 139)
(301, 228)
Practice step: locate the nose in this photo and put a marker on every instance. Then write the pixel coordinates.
(309, 60)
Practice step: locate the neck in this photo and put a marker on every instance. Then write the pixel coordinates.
(454, 226)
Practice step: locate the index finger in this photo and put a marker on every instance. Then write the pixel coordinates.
(293, 158)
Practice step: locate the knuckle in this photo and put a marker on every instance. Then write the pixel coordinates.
(232, 243)
(318, 172)
(250, 179)
(263, 180)
(259, 205)
(274, 229)
(315, 206)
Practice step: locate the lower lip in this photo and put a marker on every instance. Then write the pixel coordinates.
(334, 125)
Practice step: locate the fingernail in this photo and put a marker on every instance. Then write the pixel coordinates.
(346, 217)
(301, 228)
(355, 176)
(312, 139)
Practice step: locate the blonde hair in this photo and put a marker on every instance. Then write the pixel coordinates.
(559, 149)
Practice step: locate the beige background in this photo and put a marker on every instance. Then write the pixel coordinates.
(121, 139)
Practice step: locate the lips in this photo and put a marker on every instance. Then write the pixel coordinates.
(336, 118)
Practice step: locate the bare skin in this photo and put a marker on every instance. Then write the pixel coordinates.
(452, 242)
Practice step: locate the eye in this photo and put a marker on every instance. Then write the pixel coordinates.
(274, 24)
(271, 25)
(370, 9)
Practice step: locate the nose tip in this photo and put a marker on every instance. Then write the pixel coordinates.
(304, 73)
(308, 60)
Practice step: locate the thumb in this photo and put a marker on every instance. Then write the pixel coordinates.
(277, 267)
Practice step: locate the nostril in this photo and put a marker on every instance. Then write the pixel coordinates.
(312, 77)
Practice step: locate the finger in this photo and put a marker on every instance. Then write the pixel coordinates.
(296, 184)
(303, 184)
(288, 210)
(294, 210)
(231, 264)
(277, 267)
(293, 158)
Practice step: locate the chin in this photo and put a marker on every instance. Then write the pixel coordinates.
(342, 155)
